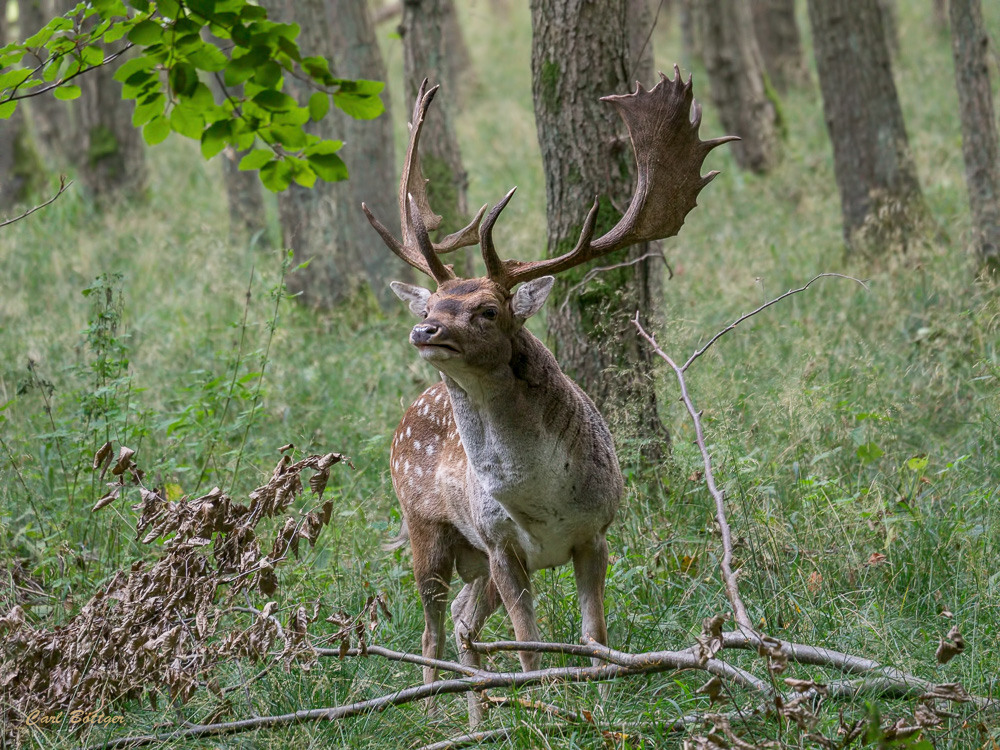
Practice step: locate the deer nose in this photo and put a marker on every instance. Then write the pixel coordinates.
(426, 333)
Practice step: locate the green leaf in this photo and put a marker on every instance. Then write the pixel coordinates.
(208, 57)
(146, 33)
(319, 105)
(318, 68)
(329, 167)
(359, 106)
(324, 147)
(133, 66)
(275, 101)
(12, 78)
(917, 464)
(289, 136)
(148, 107)
(203, 8)
(183, 79)
(241, 67)
(7, 109)
(169, 8)
(255, 159)
(156, 130)
(187, 122)
(140, 5)
(276, 175)
(92, 55)
(215, 137)
(297, 116)
(66, 92)
(253, 13)
(869, 452)
(268, 75)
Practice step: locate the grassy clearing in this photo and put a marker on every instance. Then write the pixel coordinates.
(844, 423)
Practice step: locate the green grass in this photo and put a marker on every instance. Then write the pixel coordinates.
(910, 366)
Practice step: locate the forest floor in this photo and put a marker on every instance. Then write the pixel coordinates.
(856, 433)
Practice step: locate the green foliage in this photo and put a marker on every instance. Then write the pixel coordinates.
(166, 78)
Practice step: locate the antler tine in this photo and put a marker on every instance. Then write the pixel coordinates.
(438, 270)
(495, 268)
(663, 124)
(467, 235)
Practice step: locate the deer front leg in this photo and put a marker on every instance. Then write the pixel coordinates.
(511, 579)
(469, 612)
(433, 562)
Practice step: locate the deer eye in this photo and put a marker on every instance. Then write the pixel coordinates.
(490, 313)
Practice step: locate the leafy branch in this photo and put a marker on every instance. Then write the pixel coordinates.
(177, 42)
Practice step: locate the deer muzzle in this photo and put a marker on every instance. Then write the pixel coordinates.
(432, 339)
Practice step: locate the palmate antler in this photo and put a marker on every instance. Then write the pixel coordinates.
(663, 124)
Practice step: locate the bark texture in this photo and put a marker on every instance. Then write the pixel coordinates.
(970, 48)
(890, 24)
(310, 216)
(691, 23)
(736, 74)
(941, 16)
(780, 43)
(51, 119)
(112, 160)
(425, 56)
(368, 152)
(880, 194)
(580, 52)
(21, 170)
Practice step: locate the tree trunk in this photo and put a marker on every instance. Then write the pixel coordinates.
(890, 24)
(692, 47)
(22, 173)
(879, 191)
(50, 118)
(368, 152)
(970, 47)
(310, 216)
(112, 160)
(780, 44)
(941, 16)
(736, 75)
(425, 56)
(580, 52)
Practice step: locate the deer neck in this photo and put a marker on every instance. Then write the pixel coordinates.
(504, 414)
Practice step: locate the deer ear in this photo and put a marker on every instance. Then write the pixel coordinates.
(415, 296)
(530, 296)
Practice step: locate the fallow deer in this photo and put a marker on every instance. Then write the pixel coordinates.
(505, 466)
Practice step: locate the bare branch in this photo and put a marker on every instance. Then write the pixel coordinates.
(594, 272)
(728, 576)
(63, 187)
(763, 307)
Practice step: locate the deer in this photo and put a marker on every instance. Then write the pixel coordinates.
(505, 466)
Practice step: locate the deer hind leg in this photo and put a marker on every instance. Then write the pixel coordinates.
(469, 612)
(590, 567)
(511, 578)
(433, 561)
